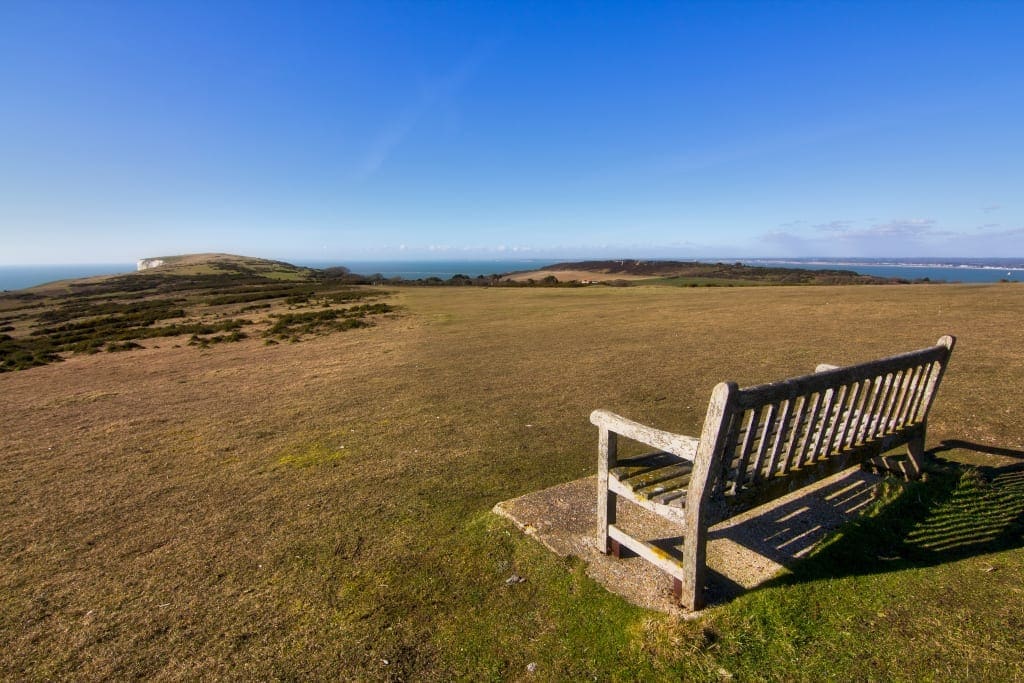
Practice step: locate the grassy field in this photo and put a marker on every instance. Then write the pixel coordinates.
(320, 510)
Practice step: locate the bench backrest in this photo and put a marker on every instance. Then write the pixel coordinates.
(773, 438)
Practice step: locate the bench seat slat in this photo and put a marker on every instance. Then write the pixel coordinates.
(663, 491)
(636, 466)
(654, 477)
(658, 477)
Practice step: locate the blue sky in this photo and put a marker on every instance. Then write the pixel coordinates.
(349, 130)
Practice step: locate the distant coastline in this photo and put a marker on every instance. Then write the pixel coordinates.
(973, 270)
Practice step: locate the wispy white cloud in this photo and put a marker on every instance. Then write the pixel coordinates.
(858, 238)
(896, 228)
(435, 93)
(834, 226)
(991, 208)
(901, 227)
(989, 231)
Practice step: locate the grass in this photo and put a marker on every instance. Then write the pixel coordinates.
(168, 514)
(682, 281)
(323, 321)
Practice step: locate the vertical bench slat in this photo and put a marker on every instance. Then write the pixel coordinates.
(938, 366)
(794, 433)
(824, 427)
(857, 418)
(837, 419)
(897, 397)
(753, 427)
(866, 419)
(812, 427)
(762, 446)
(920, 398)
(908, 400)
(879, 415)
(780, 439)
(914, 400)
(889, 408)
(846, 416)
(901, 397)
(732, 438)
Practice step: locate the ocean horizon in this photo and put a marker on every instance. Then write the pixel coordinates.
(967, 270)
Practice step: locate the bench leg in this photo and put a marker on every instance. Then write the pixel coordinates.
(690, 590)
(911, 467)
(915, 456)
(606, 455)
(606, 515)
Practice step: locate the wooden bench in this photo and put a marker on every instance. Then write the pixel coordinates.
(760, 443)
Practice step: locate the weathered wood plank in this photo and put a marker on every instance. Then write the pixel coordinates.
(824, 425)
(652, 553)
(641, 464)
(919, 396)
(675, 512)
(654, 490)
(762, 447)
(648, 479)
(780, 438)
(852, 398)
(870, 413)
(607, 452)
(903, 412)
(794, 435)
(885, 409)
(839, 403)
(790, 388)
(753, 417)
(862, 416)
(676, 497)
(812, 426)
(717, 423)
(677, 444)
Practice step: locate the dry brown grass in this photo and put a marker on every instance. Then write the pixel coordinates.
(170, 513)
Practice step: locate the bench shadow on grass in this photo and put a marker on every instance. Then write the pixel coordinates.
(962, 510)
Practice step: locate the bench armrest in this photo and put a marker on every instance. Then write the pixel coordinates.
(676, 444)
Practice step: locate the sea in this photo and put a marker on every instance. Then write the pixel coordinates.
(934, 269)
(973, 270)
(20, 277)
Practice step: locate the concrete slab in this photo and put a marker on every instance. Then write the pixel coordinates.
(743, 552)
